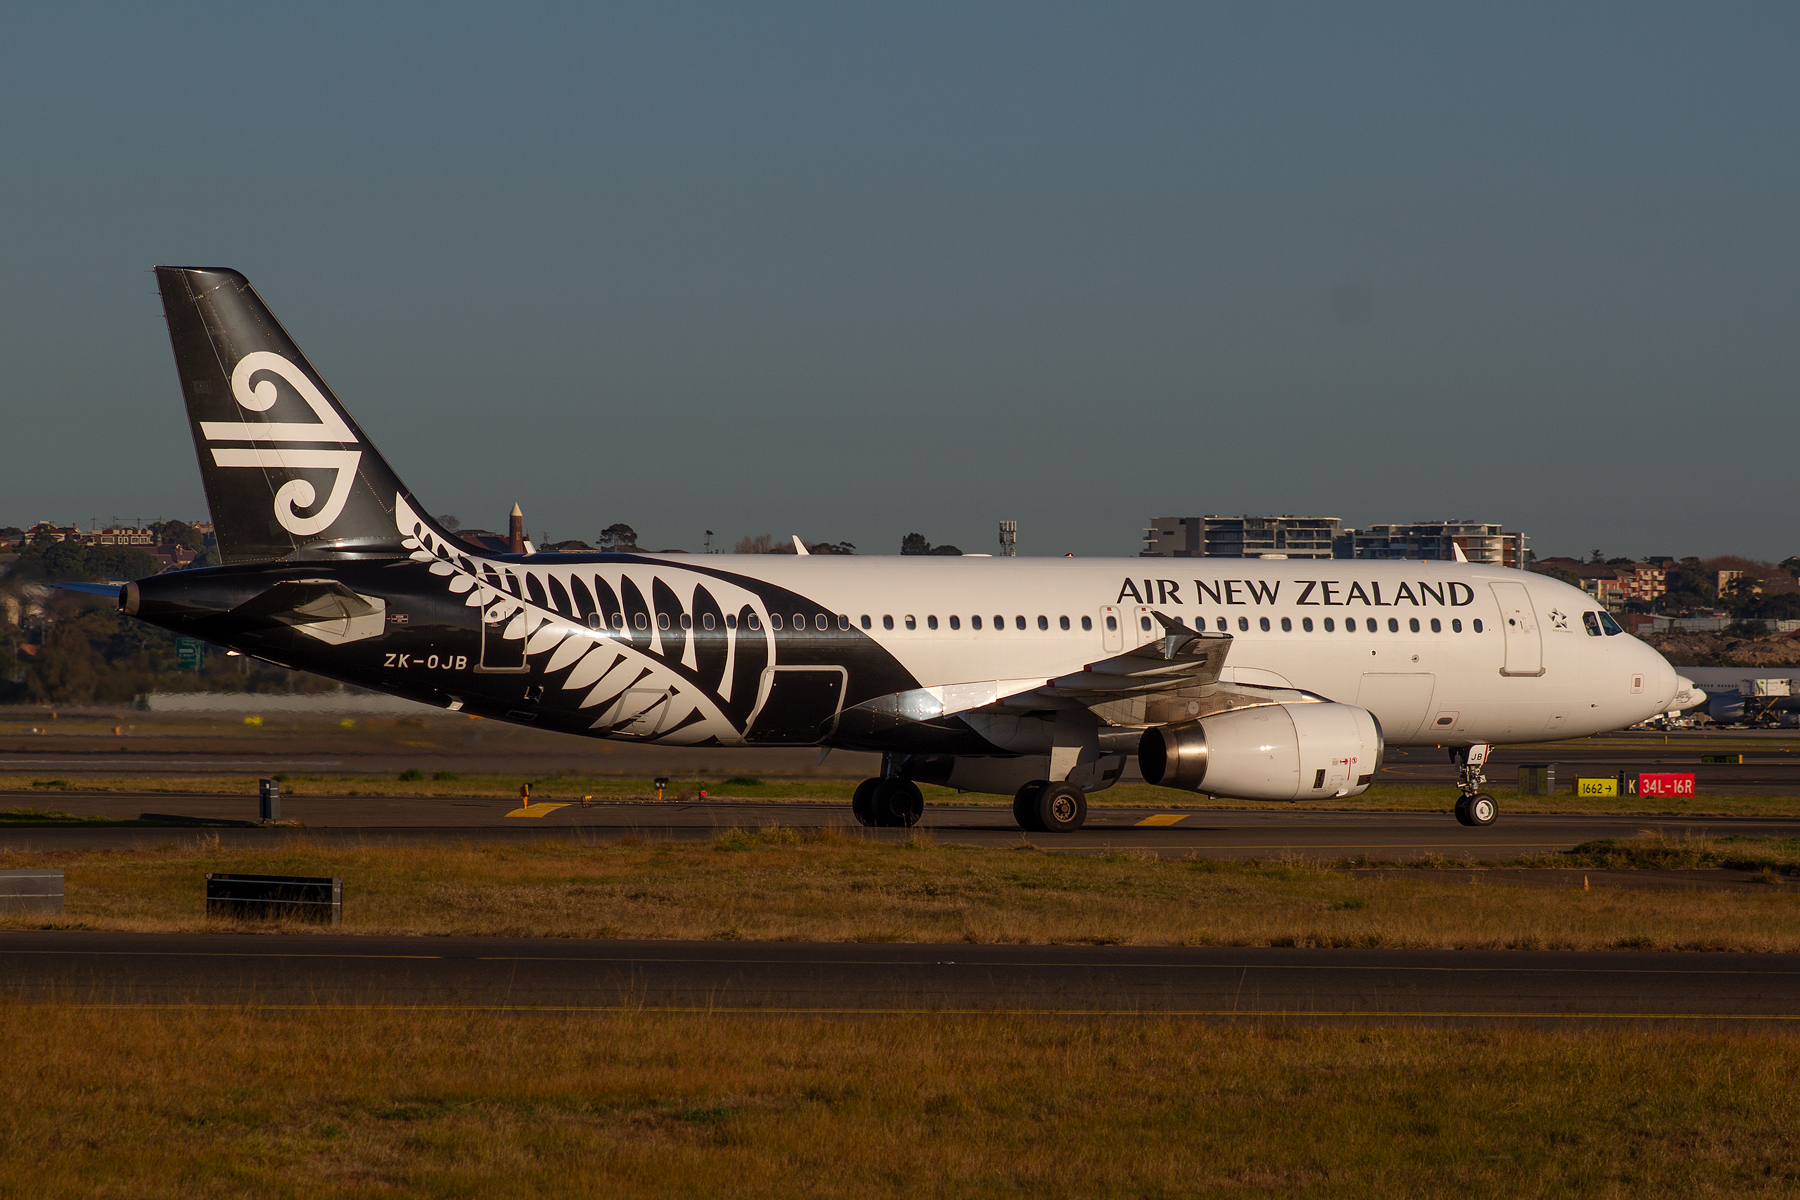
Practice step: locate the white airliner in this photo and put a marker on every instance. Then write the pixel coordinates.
(1243, 678)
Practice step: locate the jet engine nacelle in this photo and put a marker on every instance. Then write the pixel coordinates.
(1271, 752)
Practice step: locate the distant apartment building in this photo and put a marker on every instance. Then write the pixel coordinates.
(1434, 540)
(1613, 585)
(1242, 537)
(117, 537)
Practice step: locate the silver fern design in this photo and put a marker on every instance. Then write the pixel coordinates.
(642, 649)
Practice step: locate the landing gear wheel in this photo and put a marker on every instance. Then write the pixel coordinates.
(1462, 811)
(1061, 808)
(1481, 808)
(898, 804)
(1025, 806)
(862, 801)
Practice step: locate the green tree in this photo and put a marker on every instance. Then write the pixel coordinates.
(914, 543)
(67, 668)
(618, 536)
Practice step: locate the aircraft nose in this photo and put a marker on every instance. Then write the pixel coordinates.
(1661, 683)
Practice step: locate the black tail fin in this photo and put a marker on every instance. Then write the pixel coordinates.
(285, 467)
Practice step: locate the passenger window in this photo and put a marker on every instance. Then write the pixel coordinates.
(1043, 622)
(1437, 626)
(1393, 625)
(755, 621)
(774, 620)
(1143, 623)
(799, 620)
(731, 621)
(1265, 624)
(1306, 624)
(1287, 626)
(956, 622)
(1330, 625)
(1112, 625)
(1592, 622)
(821, 620)
(1456, 626)
(1413, 624)
(911, 621)
(1475, 624)
(1087, 624)
(931, 622)
(843, 620)
(1611, 626)
(707, 621)
(887, 622)
(1064, 621)
(618, 621)
(641, 621)
(593, 620)
(1222, 625)
(974, 622)
(687, 622)
(999, 622)
(866, 623)
(1243, 624)
(1020, 622)
(1349, 624)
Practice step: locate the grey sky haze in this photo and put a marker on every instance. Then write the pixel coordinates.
(850, 272)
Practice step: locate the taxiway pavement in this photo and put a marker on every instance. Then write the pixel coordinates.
(1261, 833)
(565, 976)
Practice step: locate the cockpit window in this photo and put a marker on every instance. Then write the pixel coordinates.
(1592, 621)
(1611, 626)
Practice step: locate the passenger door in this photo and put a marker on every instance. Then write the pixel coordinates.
(1519, 626)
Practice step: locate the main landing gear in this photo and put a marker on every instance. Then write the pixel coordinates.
(1044, 807)
(888, 802)
(1475, 807)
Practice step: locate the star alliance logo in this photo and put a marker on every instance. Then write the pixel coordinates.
(1559, 619)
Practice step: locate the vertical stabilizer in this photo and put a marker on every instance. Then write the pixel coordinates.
(285, 468)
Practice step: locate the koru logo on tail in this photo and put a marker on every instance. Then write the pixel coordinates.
(295, 494)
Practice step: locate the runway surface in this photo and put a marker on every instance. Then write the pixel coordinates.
(522, 975)
(1263, 833)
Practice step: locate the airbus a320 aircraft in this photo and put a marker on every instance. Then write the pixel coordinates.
(1249, 679)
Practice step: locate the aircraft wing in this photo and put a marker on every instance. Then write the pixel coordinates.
(1184, 659)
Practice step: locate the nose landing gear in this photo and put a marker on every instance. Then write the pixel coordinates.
(1475, 807)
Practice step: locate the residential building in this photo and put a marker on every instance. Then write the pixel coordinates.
(1242, 537)
(1433, 540)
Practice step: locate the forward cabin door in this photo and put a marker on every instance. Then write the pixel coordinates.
(1519, 626)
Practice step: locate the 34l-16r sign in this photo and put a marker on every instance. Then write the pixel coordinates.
(1665, 785)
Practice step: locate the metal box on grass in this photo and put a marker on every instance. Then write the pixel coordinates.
(295, 897)
(1537, 779)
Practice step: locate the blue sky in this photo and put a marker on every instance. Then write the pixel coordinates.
(851, 271)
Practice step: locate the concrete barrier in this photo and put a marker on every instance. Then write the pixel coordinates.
(34, 892)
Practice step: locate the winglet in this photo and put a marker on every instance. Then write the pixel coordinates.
(1175, 636)
(1456, 553)
(800, 546)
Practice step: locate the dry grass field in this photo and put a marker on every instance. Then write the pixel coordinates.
(778, 884)
(358, 1103)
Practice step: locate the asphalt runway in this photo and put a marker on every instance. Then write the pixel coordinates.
(564, 976)
(1266, 833)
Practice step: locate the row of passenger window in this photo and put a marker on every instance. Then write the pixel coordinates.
(824, 622)
(1371, 624)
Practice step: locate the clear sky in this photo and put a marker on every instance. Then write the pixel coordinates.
(850, 271)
